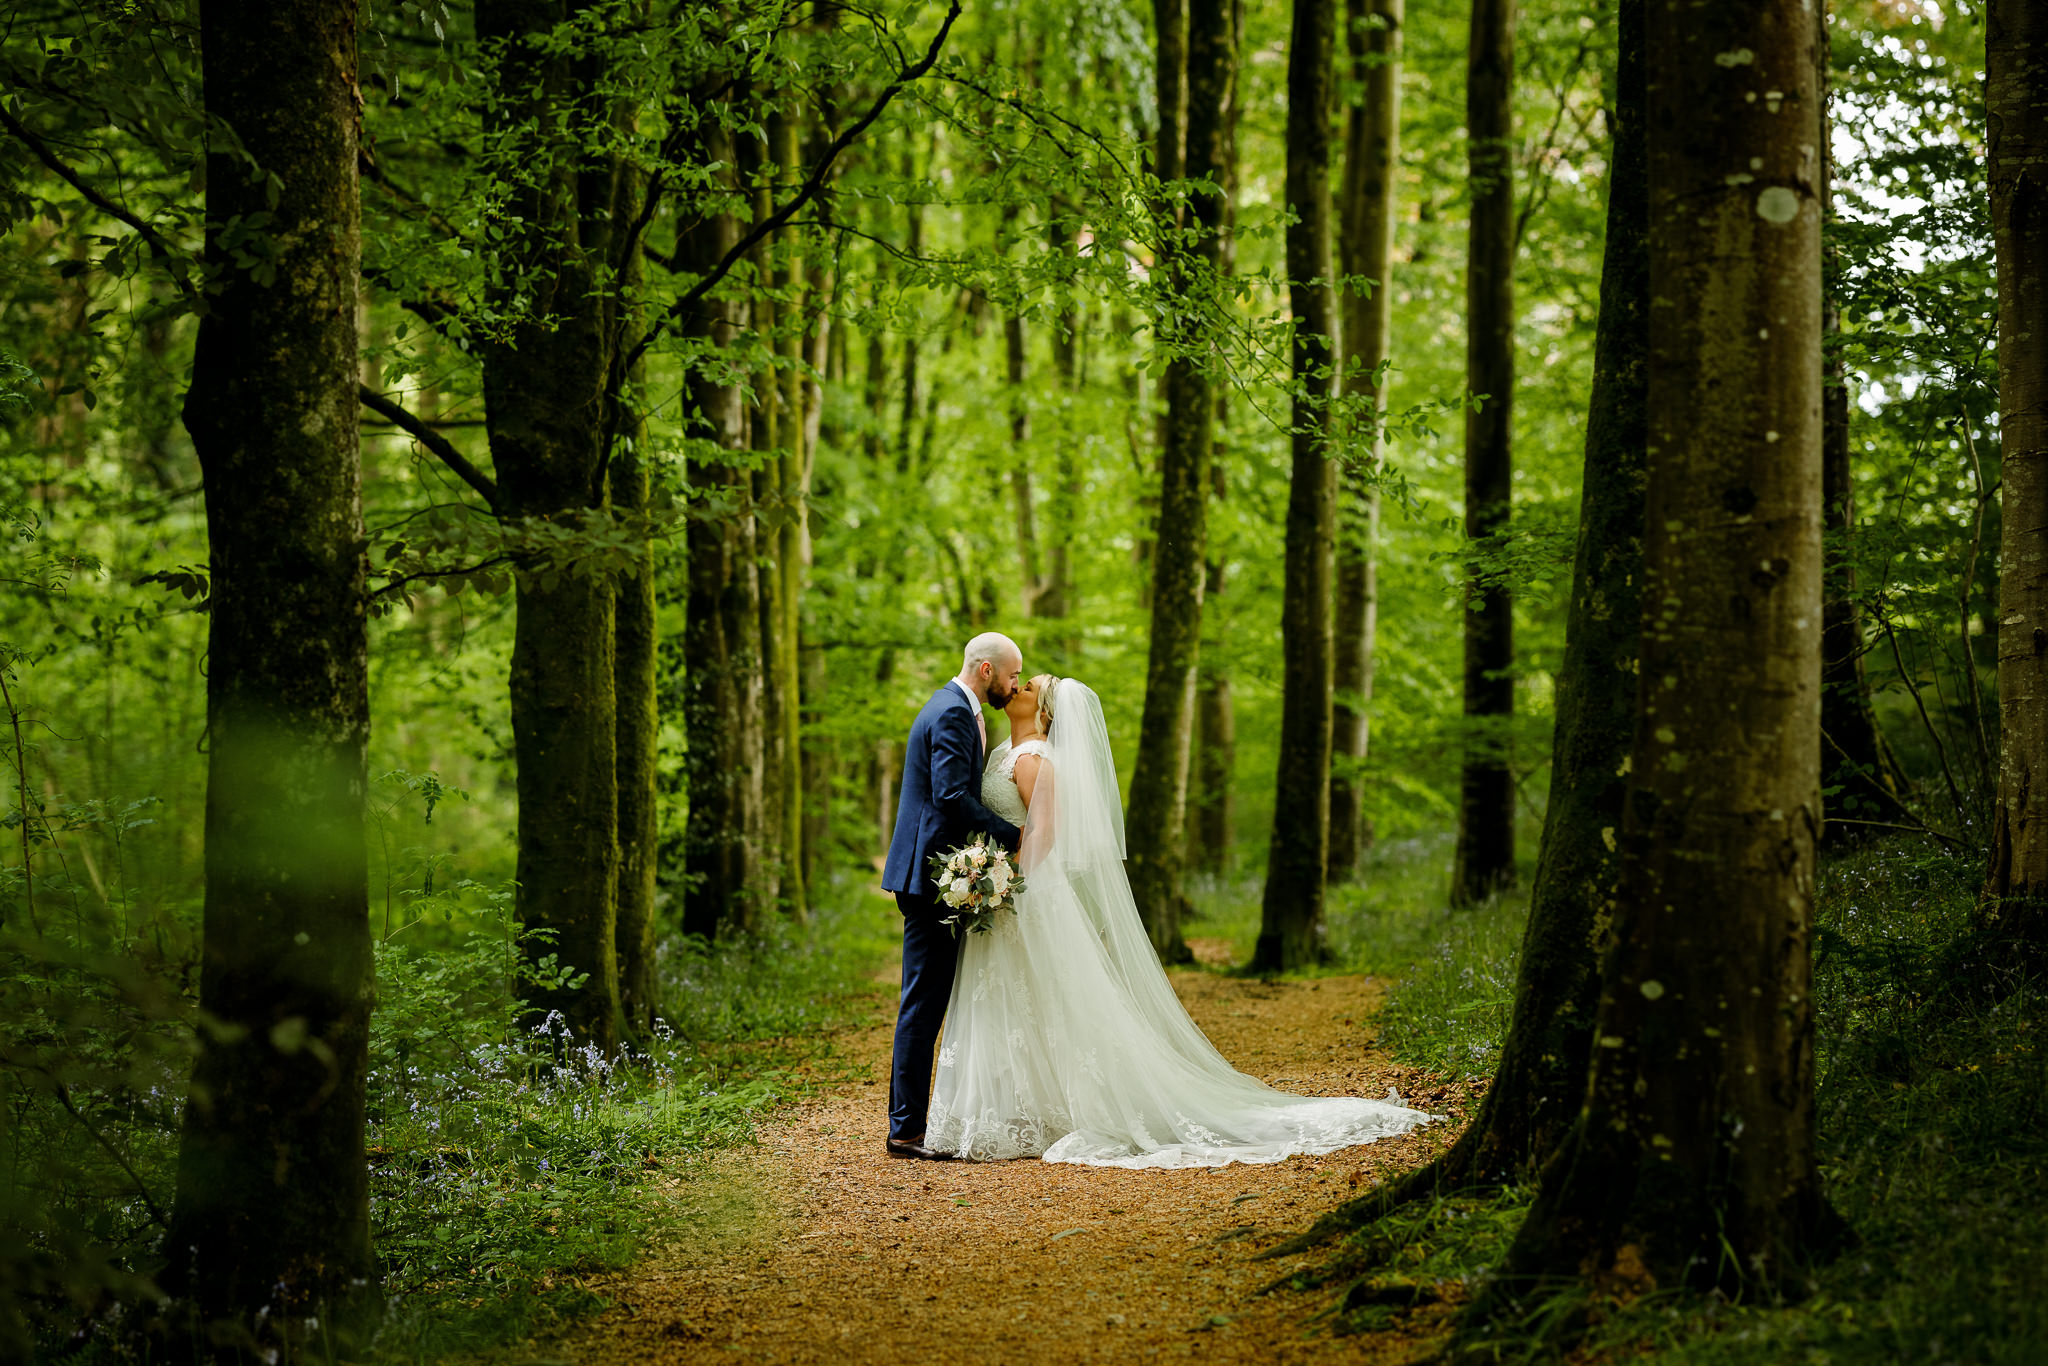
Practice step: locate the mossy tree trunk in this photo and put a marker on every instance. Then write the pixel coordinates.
(1291, 922)
(1159, 779)
(2015, 901)
(271, 1219)
(1693, 1162)
(1372, 141)
(1485, 859)
(545, 381)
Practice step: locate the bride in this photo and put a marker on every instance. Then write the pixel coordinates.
(1063, 1039)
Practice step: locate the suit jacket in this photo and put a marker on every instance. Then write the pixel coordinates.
(940, 802)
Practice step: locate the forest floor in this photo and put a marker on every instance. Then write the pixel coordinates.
(813, 1246)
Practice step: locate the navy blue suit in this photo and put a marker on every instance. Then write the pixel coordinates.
(940, 808)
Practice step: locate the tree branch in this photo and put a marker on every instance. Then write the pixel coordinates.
(433, 441)
(98, 200)
(815, 181)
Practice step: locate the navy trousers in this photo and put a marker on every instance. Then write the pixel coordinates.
(931, 957)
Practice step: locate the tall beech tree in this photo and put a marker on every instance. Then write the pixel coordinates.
(1159, 778)
(1212, 805)
(1539, 1082)
(1372, 142)
(1484, 861)
(791, 469)
(563, 224)
(271, 1221)
(636, 653)
(1693, 1161)
(2015, 901)
(723, 666)
(1291, 918)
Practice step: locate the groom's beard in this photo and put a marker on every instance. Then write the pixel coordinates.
(999, 696)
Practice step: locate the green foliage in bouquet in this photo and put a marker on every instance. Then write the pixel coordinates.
(976, 881)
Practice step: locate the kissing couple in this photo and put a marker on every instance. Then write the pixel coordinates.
(1062, 1038)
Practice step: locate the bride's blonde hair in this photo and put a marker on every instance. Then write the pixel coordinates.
(1046, 693)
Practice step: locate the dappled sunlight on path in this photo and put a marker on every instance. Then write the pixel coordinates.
(815, 1247)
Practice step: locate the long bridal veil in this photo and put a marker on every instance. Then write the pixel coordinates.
(1065, 1038)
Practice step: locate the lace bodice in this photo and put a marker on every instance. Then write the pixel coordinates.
(999, 780)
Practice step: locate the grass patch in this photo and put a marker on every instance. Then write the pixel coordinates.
(502, 1179)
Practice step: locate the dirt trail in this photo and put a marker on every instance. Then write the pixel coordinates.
(815, 1247)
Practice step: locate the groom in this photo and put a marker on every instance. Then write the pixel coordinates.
(940, 810)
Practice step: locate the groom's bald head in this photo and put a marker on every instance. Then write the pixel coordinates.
(991, 666)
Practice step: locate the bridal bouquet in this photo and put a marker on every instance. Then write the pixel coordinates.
(976, 880)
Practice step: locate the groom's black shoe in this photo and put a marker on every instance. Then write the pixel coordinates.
(903, 1147)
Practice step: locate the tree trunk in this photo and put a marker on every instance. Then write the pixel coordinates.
(636, 661)
(755, 163)
(1372, 140)
(2015, 901)
(271, 1221)
(1021, 496)
(1211, 804)
(1485, 858)
(819, 750)
(544, 405)
(1159, 780)
(1169, 163)
(1056, 595)
(1693, 1161)
(1291, 924)
(722, 678)
(1212, 798)
(792, 471)
(1854, 757)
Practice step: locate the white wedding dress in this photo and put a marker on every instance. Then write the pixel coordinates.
(1063, 1038)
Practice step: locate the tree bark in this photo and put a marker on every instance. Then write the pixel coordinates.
(1017, 372)
(1169, 163)
(1055, 598)
(755, 162)
(544, 382)
(2015, 901)
(1485, 859)
(1291, 923)
(1159, 780)
(791, 550)
(1372, 140)
(1693, 1161)
(1212, 795)
(636, 657)
(272, 1205)
(1212, 808)
(722, 680)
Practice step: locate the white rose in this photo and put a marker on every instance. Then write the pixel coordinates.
(961, 886)
(1001, 877)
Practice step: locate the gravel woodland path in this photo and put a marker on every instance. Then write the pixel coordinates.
(815, 1247)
